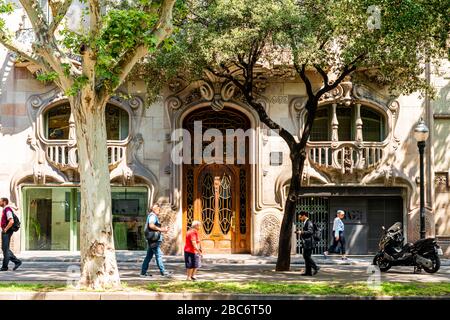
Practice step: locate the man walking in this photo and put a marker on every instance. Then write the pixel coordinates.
(307, 238)
(338, 235)
(154, 247)
(7, 221)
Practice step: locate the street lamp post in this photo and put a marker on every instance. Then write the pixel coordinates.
(421, 134)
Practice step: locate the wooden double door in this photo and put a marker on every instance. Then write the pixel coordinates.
(218, 197)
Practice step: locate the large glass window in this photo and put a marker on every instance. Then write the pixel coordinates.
(373, 125)
(373, 128)
(344, 117)
(56, 123)
(52, 216)
(117, 123)
(321, 127)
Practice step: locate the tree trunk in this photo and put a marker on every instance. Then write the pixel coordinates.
(98, 260)
(285, 240)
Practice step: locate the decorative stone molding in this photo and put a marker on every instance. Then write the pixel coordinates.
(58, 160)
(217, 94)
(349, 161)
(442, 182)
(269, 235)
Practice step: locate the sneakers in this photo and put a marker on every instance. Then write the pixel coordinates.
(344, 258)
(145, 275)
(17, 265)
(167, 274)
(4, 269)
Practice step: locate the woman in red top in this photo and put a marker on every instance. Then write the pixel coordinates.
(192, 250)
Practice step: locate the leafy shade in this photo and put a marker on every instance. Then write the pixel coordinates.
(329, 34)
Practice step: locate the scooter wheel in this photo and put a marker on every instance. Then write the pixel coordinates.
(436, 264)
(382, 263)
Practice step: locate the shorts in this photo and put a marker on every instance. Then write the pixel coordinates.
(191, 260)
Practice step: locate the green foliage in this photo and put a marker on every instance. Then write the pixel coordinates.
(329, 33)
(47, 76)
(79, 82)
(320, 288)
(5, 9)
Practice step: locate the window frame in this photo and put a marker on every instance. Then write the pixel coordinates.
(384, 134)
(43, 125)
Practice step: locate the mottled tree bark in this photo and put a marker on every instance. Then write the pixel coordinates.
(98, 259)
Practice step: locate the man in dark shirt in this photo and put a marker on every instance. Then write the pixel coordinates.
(306, 235)
(7, 221)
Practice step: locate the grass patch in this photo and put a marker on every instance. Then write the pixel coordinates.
(31, 287)
(260, 287)
(324, 288)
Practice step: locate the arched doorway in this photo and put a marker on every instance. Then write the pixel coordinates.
(218, 194)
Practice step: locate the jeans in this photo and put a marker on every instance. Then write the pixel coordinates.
(8, 255)
(153, 249)
(309, 262)
(335, 243)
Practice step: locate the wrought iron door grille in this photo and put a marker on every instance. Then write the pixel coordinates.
(318, 209)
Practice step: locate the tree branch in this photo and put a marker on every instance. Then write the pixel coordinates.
(322, 73)
(36, 15)
(59, 11)
(161, 31)
(302, 72)
(95, 16)
(19, 49)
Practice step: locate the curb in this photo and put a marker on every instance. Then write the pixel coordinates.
(70, 295)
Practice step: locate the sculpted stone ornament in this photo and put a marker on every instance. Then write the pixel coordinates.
(349, 161)
(269, 231)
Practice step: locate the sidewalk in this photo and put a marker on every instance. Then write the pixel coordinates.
(138, 257)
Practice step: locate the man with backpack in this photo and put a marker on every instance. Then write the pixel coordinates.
(9, 224)
(307, 236)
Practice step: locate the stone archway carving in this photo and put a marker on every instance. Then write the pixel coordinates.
(217, 94)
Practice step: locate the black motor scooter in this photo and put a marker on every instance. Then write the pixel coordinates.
(423, 254)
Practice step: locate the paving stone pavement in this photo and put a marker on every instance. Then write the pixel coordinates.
(60, 272)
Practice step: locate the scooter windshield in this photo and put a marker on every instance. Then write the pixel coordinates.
(395, 227)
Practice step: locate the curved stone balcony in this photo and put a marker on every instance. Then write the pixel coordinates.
(65, 157)
(345, 157)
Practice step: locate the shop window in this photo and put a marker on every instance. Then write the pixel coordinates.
(52, 218)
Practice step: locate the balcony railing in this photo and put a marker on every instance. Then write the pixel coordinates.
(65, 157)
(346, 157)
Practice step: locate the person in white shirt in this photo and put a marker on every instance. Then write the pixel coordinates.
(338, 235)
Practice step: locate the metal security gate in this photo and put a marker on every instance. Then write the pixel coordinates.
(318, 209)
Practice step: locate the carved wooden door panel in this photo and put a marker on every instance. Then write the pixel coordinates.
(218, 197)
(216, 208)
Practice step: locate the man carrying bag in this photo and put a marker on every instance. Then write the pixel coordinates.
(153, 233)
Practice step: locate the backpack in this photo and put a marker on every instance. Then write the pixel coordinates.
(151, 235)
(16, 225)
(317, 233)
